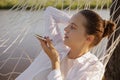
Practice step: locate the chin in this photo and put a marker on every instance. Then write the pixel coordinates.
(66, 43)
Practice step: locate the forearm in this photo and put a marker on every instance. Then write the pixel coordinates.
(58, 15)
(52, 18)
(55, 74)
(56, 65)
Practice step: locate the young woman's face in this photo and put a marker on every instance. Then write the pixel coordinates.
(75, 33)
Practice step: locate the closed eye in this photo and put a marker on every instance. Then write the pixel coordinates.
(72, 26)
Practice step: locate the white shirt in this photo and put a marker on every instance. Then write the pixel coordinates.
(86, 67)
(65, 66)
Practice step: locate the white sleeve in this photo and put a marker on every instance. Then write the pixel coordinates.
(55, 75)
(54, 16)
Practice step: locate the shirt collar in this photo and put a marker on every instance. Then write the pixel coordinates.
(83, 58)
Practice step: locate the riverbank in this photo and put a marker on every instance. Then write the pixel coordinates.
(60, 4)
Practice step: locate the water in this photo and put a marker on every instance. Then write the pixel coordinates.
(18, 46)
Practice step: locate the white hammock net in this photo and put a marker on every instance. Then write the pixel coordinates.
(18, 46)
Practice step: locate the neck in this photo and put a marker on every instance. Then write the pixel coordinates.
(77, 52)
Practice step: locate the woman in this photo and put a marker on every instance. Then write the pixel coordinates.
(70, 58)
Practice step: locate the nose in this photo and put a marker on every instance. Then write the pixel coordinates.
(66, 29)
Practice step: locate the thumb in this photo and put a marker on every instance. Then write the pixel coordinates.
(49, 42)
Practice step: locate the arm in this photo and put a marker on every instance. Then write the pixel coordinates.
(53, 55)
(58, 15)
(54, 16)
(55, 75)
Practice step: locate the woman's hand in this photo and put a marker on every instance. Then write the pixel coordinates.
(50, 50)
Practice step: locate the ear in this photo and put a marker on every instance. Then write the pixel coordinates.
(90, 38)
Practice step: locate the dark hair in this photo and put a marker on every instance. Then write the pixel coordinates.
(97, 26)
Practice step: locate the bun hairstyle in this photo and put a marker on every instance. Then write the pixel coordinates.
(97, 26)
(109, 27)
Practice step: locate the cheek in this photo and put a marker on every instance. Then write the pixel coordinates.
(77, 37)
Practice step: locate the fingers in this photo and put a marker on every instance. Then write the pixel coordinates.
(49, 43)
(46, 44)
(43, 43)
(49, 49)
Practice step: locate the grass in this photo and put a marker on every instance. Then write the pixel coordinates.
(7, 4)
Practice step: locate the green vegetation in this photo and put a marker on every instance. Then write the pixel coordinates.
(7, 4)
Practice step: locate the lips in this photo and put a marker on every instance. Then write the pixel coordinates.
(66, 36)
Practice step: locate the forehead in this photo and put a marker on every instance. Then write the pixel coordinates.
(78, 19)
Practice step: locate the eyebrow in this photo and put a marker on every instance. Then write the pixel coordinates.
(75, 25)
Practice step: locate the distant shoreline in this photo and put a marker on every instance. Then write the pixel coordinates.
(6, 4)
(72, 8)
